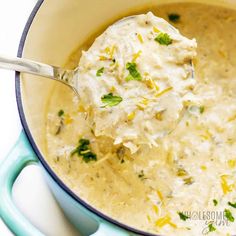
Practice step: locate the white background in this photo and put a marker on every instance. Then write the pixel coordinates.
(38, 205)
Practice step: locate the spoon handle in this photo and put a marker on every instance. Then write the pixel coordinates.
(37, 68)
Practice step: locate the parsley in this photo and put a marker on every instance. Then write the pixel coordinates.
(228, 215)
(182, 216)
(60, 113)
(133, 72)
(100, 71)
(174, 17)
(141, 175)
(84, 151)
(232, 204)
(110, 100)
(201, 109)
(163, 39)
(215, 202)
(211, 228)
(189, 180)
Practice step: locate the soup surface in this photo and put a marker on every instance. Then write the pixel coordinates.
(187, 185)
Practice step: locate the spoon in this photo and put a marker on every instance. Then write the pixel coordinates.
(65, 76)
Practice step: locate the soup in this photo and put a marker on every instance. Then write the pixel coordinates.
(186, 185)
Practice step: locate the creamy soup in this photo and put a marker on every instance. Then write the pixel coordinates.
(187, 185)
(134, 79)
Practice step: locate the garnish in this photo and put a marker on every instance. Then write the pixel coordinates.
(226, 187)
(188, 181)
(215, 202)
(136, 55)
(232, 204)
(174, 17)
(120, 152)
(201, 109)
(211, 228)
(140, 38)
(133, 72)
(59, 127)
(228, 215)
(110, 100)
(159, 115)
(166, 220)
(131, 116)
(60, 113)
(182, 216)
(163, 39)
(100, 71)
(181, 172)
(84, 151)
(141, 175)
(196, 110)
(163, 92)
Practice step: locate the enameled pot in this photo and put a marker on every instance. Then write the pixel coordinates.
(54, 30)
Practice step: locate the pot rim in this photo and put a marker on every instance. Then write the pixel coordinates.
(36, 149)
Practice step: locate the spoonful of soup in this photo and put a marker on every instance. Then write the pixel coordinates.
(133, 81)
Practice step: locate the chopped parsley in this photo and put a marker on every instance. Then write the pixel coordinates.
(84, 151)
(215, 202)
(174, 17)
(182, 216)
(228, 215)
(111, 100)
(189, 180)
(201, 109)
(232, 204)
(181, 172)
(141, 175)
(211, 228)
(100, 71)
(133, 72)
(60, 113)
(163, 39)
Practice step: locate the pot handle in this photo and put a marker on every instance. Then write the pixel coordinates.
(19, 157)
(106, 229)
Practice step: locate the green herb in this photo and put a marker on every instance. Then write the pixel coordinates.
(141, 175)
(174, 17)
(100, 71)
(211, 228)
(120, 152)
(201, 109)
(181, 172)
(133, 72)
(215, 202)
(163, 39)
(232, 204)
(196, 110)
(188, 181)
(60, 113)
(59, 127)
(182, 216)
(84, 151)
(110, 100)
(228, 215)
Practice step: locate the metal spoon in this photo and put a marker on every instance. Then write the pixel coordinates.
(65, 76)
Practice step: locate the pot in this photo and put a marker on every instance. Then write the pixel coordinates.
(53, 31)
